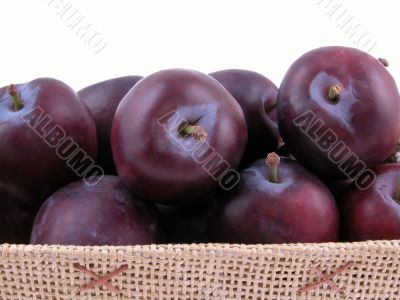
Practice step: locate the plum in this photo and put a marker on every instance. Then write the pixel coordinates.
(374, 213)
(257, 96)
(275, 205)
(102, 99)
(176, 135)
(102, 214)
(334, 104)
(48, 139)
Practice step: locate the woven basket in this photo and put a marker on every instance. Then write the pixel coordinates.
(368, 270)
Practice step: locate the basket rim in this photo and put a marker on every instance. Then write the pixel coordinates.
(209, 249)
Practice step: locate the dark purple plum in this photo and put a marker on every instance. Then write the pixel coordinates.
(43, 123)
(334, 104)
(285, 204)
(103, 214)
(102, 99)
(374, 213)
(175, 135)
(257, 96)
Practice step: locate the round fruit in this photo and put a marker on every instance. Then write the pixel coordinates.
(275, 205)
(102, 100)
(374, 213)
(175, 135)
(48, 138)
(334, 104)
(256, 95)
(104, 214)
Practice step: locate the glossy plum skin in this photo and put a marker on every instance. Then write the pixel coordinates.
(373, 214)
(16, 220)
(104, 214)
(30, 168)
(298, 209)
(257, 97)
(102, 99)
(368, 108)
(151, 156)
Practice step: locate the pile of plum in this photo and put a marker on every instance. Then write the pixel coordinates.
(180, 156)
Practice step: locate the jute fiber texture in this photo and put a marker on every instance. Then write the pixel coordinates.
(366, 270)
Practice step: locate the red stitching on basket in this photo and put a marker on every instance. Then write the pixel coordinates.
(327, 279)
(100, 280)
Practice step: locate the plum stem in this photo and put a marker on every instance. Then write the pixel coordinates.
(270, 107)
(195, 131)
(273, 161)
(18, 104)
(384, 61)
(334, 93)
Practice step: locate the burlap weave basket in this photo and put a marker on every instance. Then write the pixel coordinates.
(367, 270)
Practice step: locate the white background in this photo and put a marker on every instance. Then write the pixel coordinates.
(146, 36)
